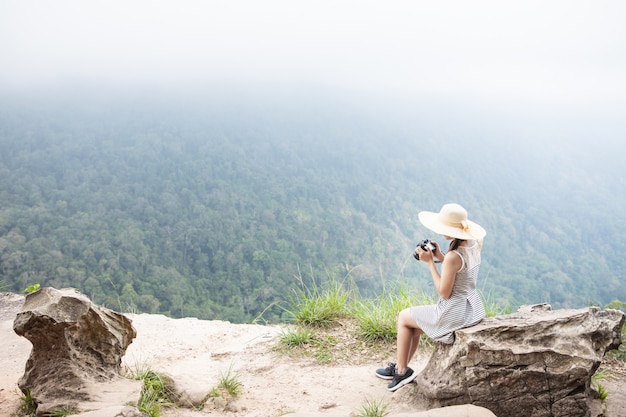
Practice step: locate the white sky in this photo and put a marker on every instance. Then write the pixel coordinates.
(539, 49)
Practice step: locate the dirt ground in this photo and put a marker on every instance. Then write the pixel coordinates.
(333, 379)
(274, 383)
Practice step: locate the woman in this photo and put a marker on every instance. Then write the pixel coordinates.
(459, 304)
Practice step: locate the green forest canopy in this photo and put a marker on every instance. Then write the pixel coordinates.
(219, 207)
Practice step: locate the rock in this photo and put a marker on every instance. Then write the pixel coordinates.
(533, 363)
(77, 350)
(466, 410)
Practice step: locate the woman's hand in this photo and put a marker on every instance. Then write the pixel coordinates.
(437, 254)
(450, 265)
(425, 255)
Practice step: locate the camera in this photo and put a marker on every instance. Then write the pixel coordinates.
(424, 244)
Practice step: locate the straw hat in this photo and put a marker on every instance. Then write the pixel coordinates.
(452, 221)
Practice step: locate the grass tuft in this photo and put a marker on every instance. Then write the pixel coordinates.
(229, 383)
(319, 307)
(372, 408)
(28, 405)
(64, 411)
(157, 391)
(595, 382)
(492, 307)
(298, 337)
(376, 318)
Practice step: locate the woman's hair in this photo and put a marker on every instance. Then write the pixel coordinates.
(455, 243)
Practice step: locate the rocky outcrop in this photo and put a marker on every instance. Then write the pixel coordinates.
(77, 348)
(466, 410)
(533, 363)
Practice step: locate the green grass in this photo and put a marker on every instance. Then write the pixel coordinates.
(320, 307)
(157, 391)
(230, 383)
(28, 405)
(64, 411)
(333, 305)
(602, 392)
(620, 352)
(228, 387)
(595, 382)
(307, 342)
(372, 408)
(376, 318)
(297, 337)
(492, 307)
(31, 288)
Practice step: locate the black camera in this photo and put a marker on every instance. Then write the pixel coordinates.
(424, 244)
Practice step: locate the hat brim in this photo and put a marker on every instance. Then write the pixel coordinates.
(431, 221)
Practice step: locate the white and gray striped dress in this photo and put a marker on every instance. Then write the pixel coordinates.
(464, 307)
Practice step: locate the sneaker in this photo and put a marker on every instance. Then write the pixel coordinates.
(388, 372)
(400, 380)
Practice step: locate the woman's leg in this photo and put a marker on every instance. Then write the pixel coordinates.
(408, 339)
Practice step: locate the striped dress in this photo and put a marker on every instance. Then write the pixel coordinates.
(464, 307)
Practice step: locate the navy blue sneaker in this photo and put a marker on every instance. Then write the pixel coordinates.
(400, 380)
(388, 372)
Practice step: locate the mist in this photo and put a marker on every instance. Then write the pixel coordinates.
(559, 50)
(542, 79)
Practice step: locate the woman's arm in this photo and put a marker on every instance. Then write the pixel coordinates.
(451, 264)
(444, 282)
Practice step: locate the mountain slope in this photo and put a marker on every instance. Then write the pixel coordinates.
(217, 206)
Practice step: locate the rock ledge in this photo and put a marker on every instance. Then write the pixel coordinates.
(536, 362)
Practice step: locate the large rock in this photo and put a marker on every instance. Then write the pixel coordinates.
(533, 363)
(77, 349)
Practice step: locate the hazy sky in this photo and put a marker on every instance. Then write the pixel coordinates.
(539, 49)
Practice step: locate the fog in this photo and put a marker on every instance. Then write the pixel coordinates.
(537, 64)
(556, 50)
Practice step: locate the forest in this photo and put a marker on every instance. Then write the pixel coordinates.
(220, 204)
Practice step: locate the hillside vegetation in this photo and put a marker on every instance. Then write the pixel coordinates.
(218, 206)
